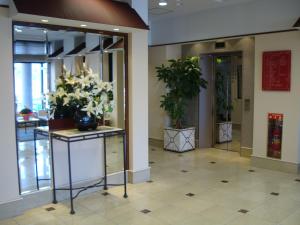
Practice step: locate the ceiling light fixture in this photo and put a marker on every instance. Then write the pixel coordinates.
(116, 29)
(83, 25)
(163, 3)
(45, 21)
(45, 31)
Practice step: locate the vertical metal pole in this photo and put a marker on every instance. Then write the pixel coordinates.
(52, 169)
(70, 179)
(105, 162)
(124, 162)
(35, 158)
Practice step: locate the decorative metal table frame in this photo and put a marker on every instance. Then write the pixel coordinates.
(84, 136)
(39, 131)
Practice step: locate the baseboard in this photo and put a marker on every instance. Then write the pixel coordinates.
(43, 197)
(139, 176)
(156, 142)
(160, 143)
(246, 152)
(273, 164)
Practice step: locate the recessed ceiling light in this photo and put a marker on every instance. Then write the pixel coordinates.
(116, 29)
(18, 30)
(45, 31)
(45, 21)
(163, 3)
(83, 25)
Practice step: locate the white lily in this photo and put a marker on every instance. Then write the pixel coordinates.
(66, 100)
(89, 108)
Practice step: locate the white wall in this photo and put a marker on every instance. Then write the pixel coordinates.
(141, 6)
(8, 159)
(158, 119)
(138, 100)
(253, 17)
(278, 102)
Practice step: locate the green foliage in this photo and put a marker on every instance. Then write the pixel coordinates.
(223, 104)
(26, 111)
(183, 81)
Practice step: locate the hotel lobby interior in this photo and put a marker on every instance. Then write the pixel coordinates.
(139, 112)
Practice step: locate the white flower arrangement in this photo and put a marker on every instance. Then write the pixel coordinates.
(84, 92)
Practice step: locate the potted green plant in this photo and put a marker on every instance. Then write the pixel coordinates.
(223, 109)
(183, 81)
(26, 113)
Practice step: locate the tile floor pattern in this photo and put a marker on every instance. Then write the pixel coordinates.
(244, 200)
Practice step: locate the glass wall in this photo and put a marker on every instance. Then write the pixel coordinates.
(31, 85)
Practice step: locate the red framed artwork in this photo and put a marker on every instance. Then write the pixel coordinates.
(276, 71)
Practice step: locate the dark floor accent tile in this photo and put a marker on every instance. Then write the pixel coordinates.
(50, 209)
(243, 211)
(150, 181)
(105, 193)
(251, 171)
(274, 193)
(190, 194)
(225, 181)
(145, 211)
(212, 162)
(114, 152)
(180, 155)
(297, 180)
(151, 162)
(184, 171)
(153, 149)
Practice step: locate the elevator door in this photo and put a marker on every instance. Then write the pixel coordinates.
(227, 101)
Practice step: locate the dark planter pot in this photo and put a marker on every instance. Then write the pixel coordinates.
(61, 124)
(85, 122)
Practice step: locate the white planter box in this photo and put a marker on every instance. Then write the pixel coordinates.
(224, 132)
(179, 140)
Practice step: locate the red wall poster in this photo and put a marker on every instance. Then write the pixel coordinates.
(276, 71)
(275, 122)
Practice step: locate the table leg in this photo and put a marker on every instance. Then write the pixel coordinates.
(70, 180)
(52, 169)
(124, 162)
(35, 158)
(105, 163)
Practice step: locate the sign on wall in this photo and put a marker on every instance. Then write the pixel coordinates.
(275, 122)
(276, 71)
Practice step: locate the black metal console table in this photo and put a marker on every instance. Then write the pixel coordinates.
(39, 131)
(70, 136)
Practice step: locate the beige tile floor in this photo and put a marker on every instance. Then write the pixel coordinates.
(234, 145)
(174, 175)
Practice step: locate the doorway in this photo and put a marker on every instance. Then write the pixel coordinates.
(220, 111)
(227, 101)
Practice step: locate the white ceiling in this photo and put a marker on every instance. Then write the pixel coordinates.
(184, 7)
